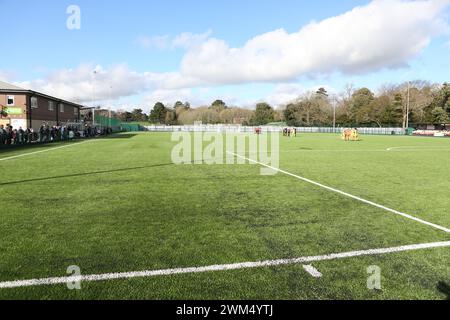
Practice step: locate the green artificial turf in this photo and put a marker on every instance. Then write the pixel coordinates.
(119, 204)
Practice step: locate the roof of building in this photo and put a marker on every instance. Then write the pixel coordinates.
(5, 87)
(8, 86)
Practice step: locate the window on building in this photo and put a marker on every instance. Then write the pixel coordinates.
(34, 102)
(51, 105)
(75, 111)
(10, 100)
(61, 108)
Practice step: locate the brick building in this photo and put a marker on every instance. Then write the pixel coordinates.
(29, 109)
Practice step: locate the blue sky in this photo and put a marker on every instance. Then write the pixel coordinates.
(134, 42)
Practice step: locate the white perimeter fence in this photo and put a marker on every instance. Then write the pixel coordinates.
(236, 128)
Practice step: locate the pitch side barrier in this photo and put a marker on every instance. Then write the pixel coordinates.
(244, 129)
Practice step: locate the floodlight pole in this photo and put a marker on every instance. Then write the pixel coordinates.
(110, 103)
(93, 96)
(408, 106)
(334, 117)
(334, 113)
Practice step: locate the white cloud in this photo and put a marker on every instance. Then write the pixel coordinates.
(171, 80)
(284, 93)
(7, 76)
(183, 40)
(382, 34)
(189, 40)
(170, 96)
(158, 42)
(83, 85)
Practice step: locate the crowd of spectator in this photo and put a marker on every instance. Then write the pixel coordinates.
(19, 136)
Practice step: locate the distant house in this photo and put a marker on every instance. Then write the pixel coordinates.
(30, 109)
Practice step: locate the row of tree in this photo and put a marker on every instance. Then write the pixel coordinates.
(393, 105)
(417, 102)
(217, 112)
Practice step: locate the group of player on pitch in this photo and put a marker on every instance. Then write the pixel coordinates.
(347, 134)
(350, 134)
(290, 132)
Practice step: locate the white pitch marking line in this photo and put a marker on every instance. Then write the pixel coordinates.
(50, 149)
(408, 216)
(392, 148)
(222, 267)
(312, 271)
(327, 150)
(418, 148)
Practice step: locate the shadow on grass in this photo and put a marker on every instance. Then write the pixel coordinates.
(444, 288)
(73, 175)
(120, 136)
(39, 145)
(86, 174)
(35, 145)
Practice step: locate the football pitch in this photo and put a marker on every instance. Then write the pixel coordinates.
(140, 227)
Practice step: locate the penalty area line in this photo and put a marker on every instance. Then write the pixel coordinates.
(405, 215)
(220, 267)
